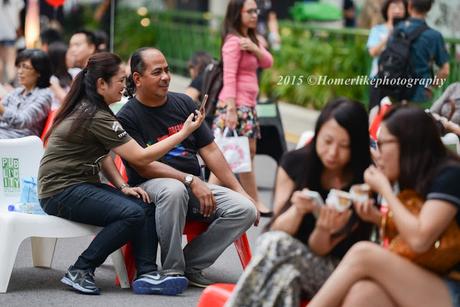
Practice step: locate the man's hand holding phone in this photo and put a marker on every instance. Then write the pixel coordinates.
(202, 107)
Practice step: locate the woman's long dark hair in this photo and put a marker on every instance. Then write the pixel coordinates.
(199, 61)
(57, 53)
(422, 152)
(232, 21)
(103, 65)
(351, 116)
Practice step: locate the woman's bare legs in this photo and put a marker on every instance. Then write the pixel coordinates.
(248, 180)
(284, 186)
(7, 58)
(365, 293)
(405, 283)
(2, 65)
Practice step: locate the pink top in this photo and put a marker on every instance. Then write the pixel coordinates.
(240, 72)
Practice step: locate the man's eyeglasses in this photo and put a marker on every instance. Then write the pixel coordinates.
(253, 11)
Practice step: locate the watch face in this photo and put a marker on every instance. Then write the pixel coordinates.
(188, 179)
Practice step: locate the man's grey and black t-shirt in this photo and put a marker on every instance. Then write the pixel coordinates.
(73, 159)
(148, 125)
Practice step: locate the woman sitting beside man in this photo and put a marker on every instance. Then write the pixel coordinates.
(84, 132)
(410, 153)
(302, 250)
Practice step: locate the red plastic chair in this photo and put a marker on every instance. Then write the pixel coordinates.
(218, 294)
(192, 229)
(385, 105)
(48, 123)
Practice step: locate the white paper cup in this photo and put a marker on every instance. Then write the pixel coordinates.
(339, 200)
(360, 192)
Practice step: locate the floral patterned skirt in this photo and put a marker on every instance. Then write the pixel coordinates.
(248, 122)
(282, 271)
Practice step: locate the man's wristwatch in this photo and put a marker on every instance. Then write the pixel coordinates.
(188, 180)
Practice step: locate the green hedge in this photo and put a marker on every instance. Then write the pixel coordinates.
(130, 34)
(309, 54)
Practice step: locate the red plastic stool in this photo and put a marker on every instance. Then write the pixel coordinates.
(218, 294)
(215, 295)
(192, 230)
(48, 124)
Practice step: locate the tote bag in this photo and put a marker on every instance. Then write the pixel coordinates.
(235, 149)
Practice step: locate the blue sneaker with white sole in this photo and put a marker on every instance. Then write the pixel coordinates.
(158, 283)
(81, 280)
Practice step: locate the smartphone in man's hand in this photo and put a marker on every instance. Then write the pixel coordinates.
(203, 104)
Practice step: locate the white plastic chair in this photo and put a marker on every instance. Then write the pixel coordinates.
(451, 141)
(21, 158)
(305, 138)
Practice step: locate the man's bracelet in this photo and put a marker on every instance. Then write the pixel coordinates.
(124, 185)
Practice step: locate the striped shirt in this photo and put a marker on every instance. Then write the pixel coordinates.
(24, 114)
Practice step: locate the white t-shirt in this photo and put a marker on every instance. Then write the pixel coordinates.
(9, 18)
(377, 34)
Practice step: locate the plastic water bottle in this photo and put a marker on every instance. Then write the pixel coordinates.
(31, 208)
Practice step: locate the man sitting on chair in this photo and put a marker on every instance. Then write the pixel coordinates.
(174, 185)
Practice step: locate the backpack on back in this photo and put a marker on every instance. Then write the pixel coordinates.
(213, 81)
(395, 64)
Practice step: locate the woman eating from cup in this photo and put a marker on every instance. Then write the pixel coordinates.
(410, 153)
(307, 240)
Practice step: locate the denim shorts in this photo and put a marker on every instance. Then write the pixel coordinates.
(454, 290)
